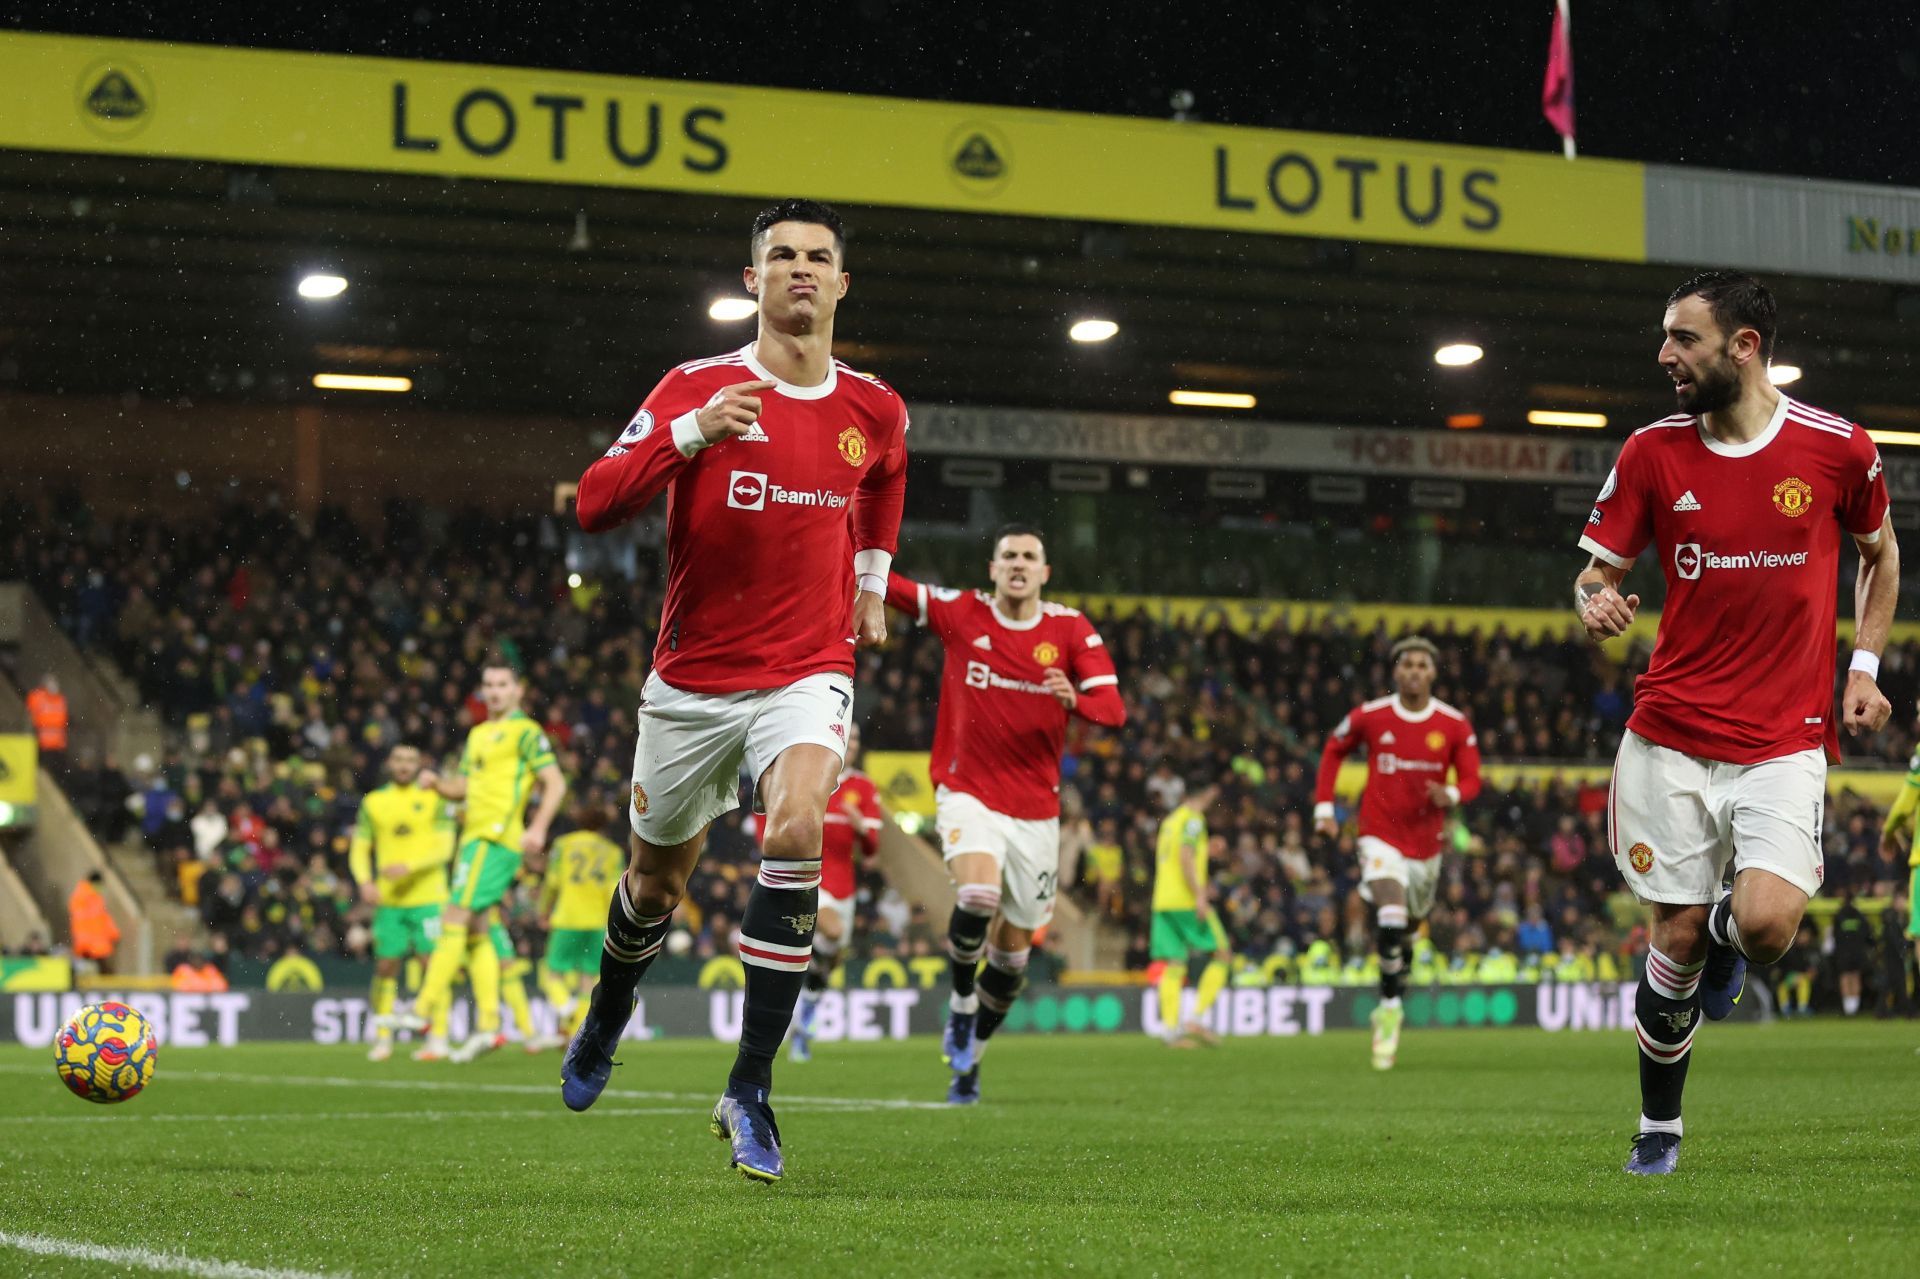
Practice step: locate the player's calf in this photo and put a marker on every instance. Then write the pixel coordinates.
(1666, 1015)
(1390, 937)
(973, 910)
(776, 947)
(1001, 982)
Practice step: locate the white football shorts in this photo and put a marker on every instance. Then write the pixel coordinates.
(1028, 853)
(843, 907)
(1675, 820)
(1418, 877)
(691, 746)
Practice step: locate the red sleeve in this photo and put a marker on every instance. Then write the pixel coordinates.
(1340, 743)
(882, 495)
(1090, 667)
(1466, 763)
(872, 818)
(640, 464)
(931, 606)
(1621, 524)
(1863, 502)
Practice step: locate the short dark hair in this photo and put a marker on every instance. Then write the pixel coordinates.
(1200, 777)
(1416, 644)
(499, 662)
(799, 211)
(1019, 528)
(1738, 301)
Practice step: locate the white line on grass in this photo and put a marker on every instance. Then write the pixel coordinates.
(526, 1090)
(150, 1259)
(329, 1116)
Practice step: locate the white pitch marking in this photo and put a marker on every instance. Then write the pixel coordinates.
(524, 1090)
(150, 1259)
(331, 1116)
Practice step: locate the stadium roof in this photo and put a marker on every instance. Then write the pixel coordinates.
(176, 278)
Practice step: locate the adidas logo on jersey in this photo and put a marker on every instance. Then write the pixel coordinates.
(754, 435)
(1386, 738)
(984, 641)
(1687, 502)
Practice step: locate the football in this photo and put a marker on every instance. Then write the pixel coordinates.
(106, 1053)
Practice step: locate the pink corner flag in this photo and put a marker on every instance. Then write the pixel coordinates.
(1556, 94)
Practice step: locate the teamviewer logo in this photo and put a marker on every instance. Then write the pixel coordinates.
(747, 491)
(1686, 559)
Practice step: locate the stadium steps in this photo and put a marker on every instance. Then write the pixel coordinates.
(105, 709)
(172, 920)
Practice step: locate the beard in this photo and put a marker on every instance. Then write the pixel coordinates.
(1713, 388)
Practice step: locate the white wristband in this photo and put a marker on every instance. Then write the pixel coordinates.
(1323, 812)
(1867, 662)
(687, 436)
(872, 583)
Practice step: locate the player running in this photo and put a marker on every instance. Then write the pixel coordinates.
(852, 824)
(1413, 740)
(1184, 922)
(785, 472)
(1016, 668)
(1897, 831)
(1743, 497)
(582, 871)
(402, 842)
(505, 756)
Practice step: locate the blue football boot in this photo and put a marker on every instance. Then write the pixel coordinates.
(956, 1042)
(965, 1088)
(589, 1062)
(1654, 1154)
(745, 1120)
(1724, 978)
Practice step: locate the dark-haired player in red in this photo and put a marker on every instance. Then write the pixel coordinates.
(1414, 742)
(1744, 497)
(784, 472)
(1016, 668)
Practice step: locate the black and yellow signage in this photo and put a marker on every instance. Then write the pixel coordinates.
(66, 93)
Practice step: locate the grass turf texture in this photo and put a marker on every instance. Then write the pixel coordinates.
(1486, 1152)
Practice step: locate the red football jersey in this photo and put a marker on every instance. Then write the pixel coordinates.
(761, 528)
(1405, 752)
(847, 831)
(1748, 537)
(999, 733)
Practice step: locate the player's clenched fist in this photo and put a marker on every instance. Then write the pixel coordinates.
(1604, 611)
(732, 411)
(1863, 704)
(1060, 686)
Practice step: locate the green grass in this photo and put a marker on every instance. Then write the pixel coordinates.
(1487, 1152)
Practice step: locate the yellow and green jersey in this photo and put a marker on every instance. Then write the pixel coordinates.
(1183, 834)
(500, 763)
(1905, 805)
(581, 872)
(408, 826)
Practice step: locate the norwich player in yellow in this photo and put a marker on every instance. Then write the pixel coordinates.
(581, 875)
(1183, 918)
(1899, 827)
(506, 757)
(402, 843)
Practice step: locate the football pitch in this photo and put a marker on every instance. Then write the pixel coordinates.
(1488, 1152)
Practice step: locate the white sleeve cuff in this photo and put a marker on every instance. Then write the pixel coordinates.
(1604, 555)
(686, 434)
(1453, 793)
(1323, 812)
(870, 569)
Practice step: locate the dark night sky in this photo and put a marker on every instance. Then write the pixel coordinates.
(1828, 90)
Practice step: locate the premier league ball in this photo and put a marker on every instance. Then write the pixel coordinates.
(106, 1053)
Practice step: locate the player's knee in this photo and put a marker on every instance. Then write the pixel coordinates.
(655, 895)
(794, 837)
(1767, 937)
(386, 969)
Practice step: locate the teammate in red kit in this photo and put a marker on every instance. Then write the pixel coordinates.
(1414, 743)
(1016, 668)
(1744, 497)
(784, 472)
(853, 830)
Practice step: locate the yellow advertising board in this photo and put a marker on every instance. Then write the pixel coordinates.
(249, 106)
(19, 778)
(36, 973)
(902, 779)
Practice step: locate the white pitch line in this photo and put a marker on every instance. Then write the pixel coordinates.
(524, 1090)
(150, 1259)
(329, 1116)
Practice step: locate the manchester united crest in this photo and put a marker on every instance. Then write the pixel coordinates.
(639, 799)
(1640, 857)
(1793, 497)
(853, 446)
(1046, 653)
(1436, 740)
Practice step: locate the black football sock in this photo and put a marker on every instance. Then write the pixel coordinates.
(1666, 1013)
(776, 946)
(1001, 982)
(967, 938)
(1390, 932)
(633, 942)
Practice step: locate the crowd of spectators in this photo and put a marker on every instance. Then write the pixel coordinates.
(287, 657)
